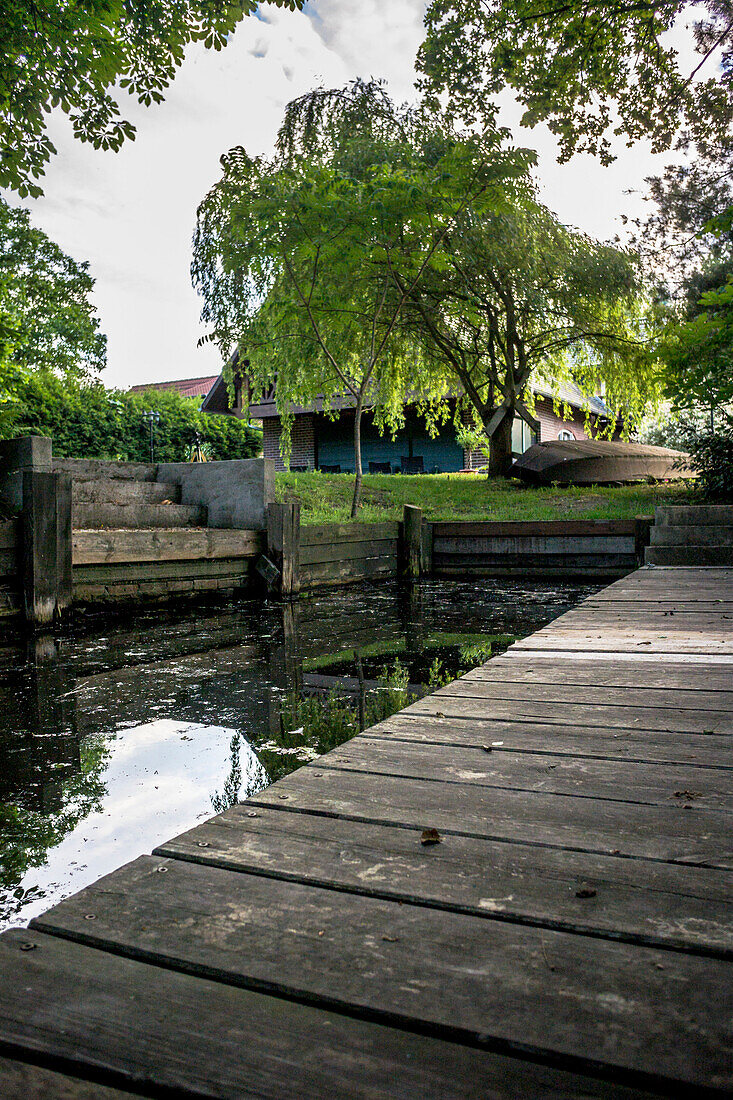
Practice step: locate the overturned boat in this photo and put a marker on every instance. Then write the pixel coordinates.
(599, 462)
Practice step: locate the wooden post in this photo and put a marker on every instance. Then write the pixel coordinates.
(642, 535)
(411, 537)
(46, 545)
(283, 544)
(426, 549)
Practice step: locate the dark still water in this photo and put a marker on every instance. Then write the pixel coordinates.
(118, 734)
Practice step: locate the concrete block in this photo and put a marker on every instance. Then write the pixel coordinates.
(687, 534)
(108, 490)
(92, 517)
(235, 493)
(689, 555)
(698, 514)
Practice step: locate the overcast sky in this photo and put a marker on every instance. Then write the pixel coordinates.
(131, 213)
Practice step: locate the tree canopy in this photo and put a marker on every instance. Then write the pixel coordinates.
(293, 255)
(514, 299)
(382, 256)
(69, 55)
(47, 316)
(586, 68)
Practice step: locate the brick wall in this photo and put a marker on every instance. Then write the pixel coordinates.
(551, 424)
(302, 440)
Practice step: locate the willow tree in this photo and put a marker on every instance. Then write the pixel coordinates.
(295, 255)
(514, 297)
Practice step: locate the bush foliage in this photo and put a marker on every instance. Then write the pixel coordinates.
(712, 457)
(86, 420)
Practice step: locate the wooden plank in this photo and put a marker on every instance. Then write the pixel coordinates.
(608, 641)
(533, 528)
(534, 545)
(526, 989)
(336, 572)
(647, 784)
(668, 833)
(539, 668)
(160, 570)
(346, 551)
(492, 879)
(562, 569)
(458, 701)
(9, 562)
(630, 696)
(169, 544)
(150, 1028)
(640, 746)
(22, 1081)
(327, 533)
(10, 535)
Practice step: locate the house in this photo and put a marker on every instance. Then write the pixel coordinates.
(187, 387)
(321, 442)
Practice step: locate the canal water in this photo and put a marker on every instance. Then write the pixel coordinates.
(117, 734)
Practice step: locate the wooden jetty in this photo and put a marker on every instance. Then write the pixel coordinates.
(517, 887)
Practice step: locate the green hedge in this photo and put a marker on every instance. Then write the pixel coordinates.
(89, 421)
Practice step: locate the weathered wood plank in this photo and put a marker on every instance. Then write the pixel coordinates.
(669, 833)
(640, 901)
(684, 679)
(23, 1081)
(327, 533)
(457, 700)
(9, 535)
(9, 562)
(526, 989)
(169, 544)
(346, 551)
(334, 572)
(648, 784)
(590, 567)
(579, 545)
(533, 528)
(159, 570)
(641, 746)
(147, 1027)
(520, 689)
(582, 639)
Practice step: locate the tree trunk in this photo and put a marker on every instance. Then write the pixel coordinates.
(357, 456)
(500, 454)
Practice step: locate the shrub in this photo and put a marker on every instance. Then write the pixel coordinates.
(85, 420)
(712, 457)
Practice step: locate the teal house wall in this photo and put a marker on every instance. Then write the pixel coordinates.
(334, 445)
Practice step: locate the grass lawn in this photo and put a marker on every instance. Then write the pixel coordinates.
(326, 498)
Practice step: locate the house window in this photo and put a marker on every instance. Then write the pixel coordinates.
(565, 435)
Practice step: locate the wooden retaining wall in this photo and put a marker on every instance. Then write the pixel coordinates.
(10, 568)
(159, 563)
(337, 553)
(558, 548)
(330, 554)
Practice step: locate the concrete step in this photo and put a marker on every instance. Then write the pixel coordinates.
(705, 515)
(689, 535)
(94, 516)
(108, 490)
(89, 469)
(689, 555)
